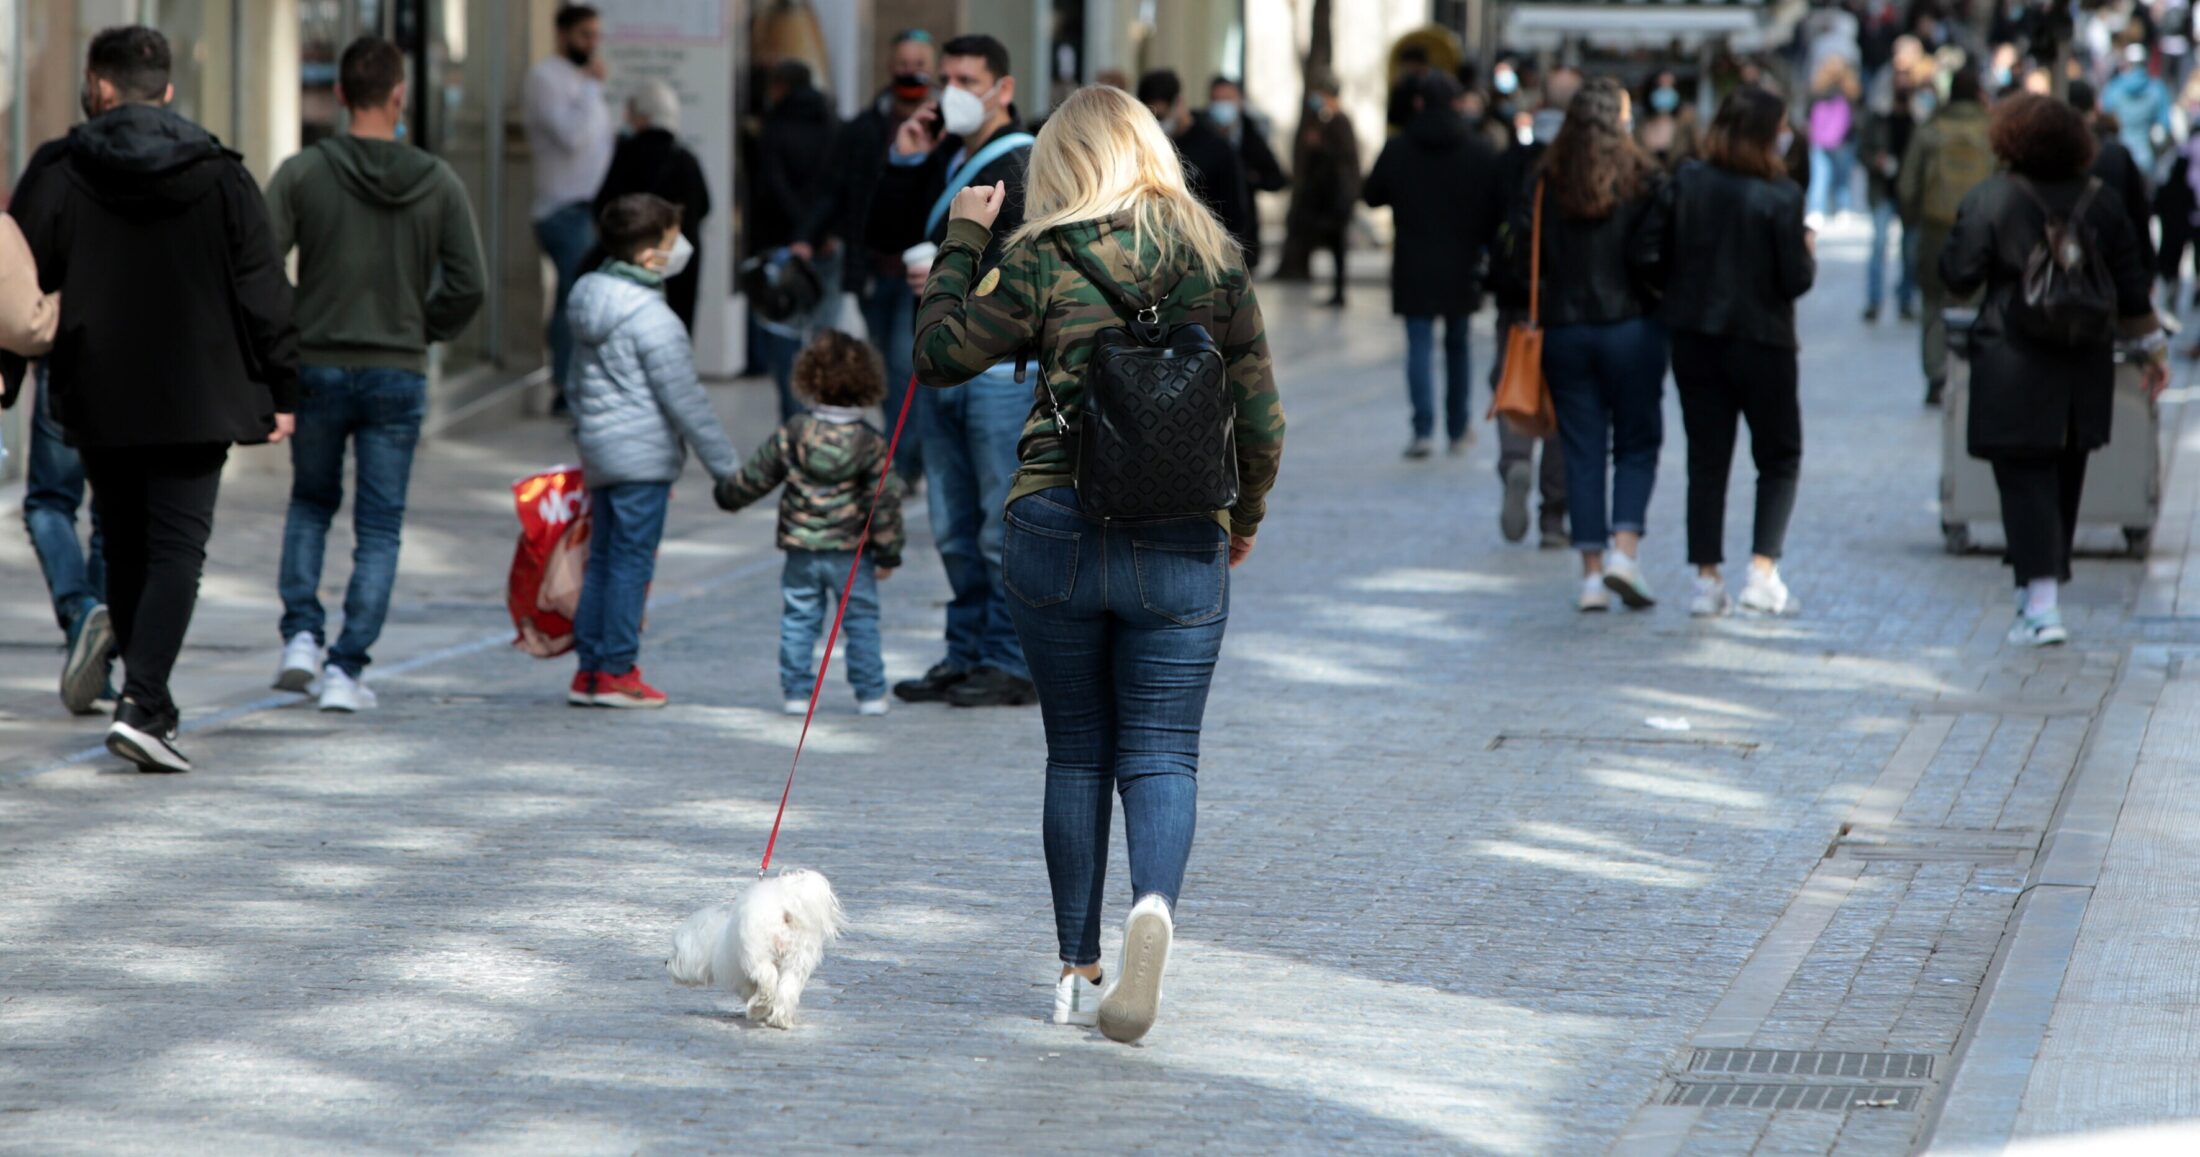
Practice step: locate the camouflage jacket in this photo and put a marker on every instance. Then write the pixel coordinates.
(831, 461)
(1036, 301)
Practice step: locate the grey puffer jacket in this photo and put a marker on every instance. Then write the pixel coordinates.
(636, 404)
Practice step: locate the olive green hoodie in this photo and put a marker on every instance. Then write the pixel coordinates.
(388, 260)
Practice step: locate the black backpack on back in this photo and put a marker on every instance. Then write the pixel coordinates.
(2067, 296)
(1156, 436)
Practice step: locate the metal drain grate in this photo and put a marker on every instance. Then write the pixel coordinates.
(1742, 747)
(1792, 1063)
(1824, 1098)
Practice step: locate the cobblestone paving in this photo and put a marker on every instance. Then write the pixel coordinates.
(1450, 892)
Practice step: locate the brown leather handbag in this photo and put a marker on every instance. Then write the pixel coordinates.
(1523, 398)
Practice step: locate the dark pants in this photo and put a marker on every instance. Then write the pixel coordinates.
(971, 433)
(1514, 446)
(1421, 378)
(1334, 241)
(156, 504)
(377, 413)
(1722, 379)
(2039, 511)
(1122, 624)
(1932, 241)
(1606, 383)
(627, 522)
(76, 578)
(890, 313)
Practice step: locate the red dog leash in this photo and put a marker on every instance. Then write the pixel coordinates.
(825, 665)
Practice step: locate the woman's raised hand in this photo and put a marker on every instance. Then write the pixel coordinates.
(980, 203)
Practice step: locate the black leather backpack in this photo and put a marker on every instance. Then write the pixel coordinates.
(1156, 435)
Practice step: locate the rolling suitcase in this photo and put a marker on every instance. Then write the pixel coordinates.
(2123, 480)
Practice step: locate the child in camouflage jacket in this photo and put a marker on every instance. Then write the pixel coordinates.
(831, 461)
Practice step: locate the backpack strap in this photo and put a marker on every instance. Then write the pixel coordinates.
(994, 150)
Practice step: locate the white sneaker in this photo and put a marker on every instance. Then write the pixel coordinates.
(2041, 630)
(869, 706)
(1594, 595)
(301, 664)
(1711, 599)
(1625, 578)
(1129, 1007)
(1765, 594)
(795, 707)
(1076, 1001)
(1418, 449)
(341, 692)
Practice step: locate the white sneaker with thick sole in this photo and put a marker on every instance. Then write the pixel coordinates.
(871, 706)
(1765, 594)
(1710, 600)
(341, 692)
(795, 707)
(2041, 630)
(1625, 579)
(301, 664)
(1595, 596)
(1076, 1001)
(1129, 1007)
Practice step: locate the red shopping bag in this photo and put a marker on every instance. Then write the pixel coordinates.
(545, 585)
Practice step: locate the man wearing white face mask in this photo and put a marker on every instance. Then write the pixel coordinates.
(967, 138)
(388, 262)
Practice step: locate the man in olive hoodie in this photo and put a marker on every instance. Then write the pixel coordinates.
(388, 262)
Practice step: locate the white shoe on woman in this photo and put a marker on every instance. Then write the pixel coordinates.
(1129, 1007)
(1076, 1000)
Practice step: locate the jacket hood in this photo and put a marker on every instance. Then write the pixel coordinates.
(1438, 129)
(830, 456)
(603, 300)
(141, 158)
(2129, 83)
(386, 173)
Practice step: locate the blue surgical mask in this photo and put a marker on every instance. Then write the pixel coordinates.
(401, 132)
(1223, 114)
(1507, 82)
(1665, 100)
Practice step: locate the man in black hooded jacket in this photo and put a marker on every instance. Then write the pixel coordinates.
(176, 343)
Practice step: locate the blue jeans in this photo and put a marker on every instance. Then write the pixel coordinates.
(629, 522)
(890, 314)
(1884, 224)
(378, 413)
(1421, 384)
(970, 457)
(53, 489)
(1607, 383)
(809, 588)
(566, 236)
(1831, 175)
(1122, 624)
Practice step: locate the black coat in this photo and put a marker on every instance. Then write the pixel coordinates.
(791, 154)
(2029, 398)
(176, 320)
(1216, 175)
(2127, 186)
(654, 161)
(1516, 172)
(1596, 272)
(1736, 259)
(842, 207)
(1445, 193)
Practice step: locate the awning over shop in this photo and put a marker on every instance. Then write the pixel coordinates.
(1745, 25)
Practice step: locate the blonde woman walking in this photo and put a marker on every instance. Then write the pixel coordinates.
(1120, 618)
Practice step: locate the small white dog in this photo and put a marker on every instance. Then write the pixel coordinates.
(763, 946)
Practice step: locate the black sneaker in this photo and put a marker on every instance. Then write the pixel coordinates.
(1933, 391)
(1871, 314)
(989, 687)
(145, 738)
(1906, 312)
(933, 688)
(91, 656)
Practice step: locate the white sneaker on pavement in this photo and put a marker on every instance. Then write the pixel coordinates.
(795, 707)
(1625, 578)
(341, 692)
(1711, 599)
(1130, 1005)
(877, 706)
(1594, 595)
(301, 664)
(2041, 630)
(1076, 1001)
(1765, 594)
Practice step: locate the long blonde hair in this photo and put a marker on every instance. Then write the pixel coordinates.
(1102, 153)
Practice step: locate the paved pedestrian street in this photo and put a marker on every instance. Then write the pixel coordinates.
(1464, 882)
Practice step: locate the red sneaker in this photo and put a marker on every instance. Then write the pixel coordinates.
(627, 690)
(583, 691)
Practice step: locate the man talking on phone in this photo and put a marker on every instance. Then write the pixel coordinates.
(968, 136)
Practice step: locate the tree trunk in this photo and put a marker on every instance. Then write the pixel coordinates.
(1298, 242)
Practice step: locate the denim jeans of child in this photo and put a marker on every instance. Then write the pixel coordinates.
(377, 413)
(1122, 624)
(53, 489)
(622, 557)
(809, 587)
(1420, 380)
(1607, 384)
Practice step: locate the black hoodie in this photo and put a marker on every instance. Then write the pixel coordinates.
(1446, 196)
(791, 154)
(175, 314)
